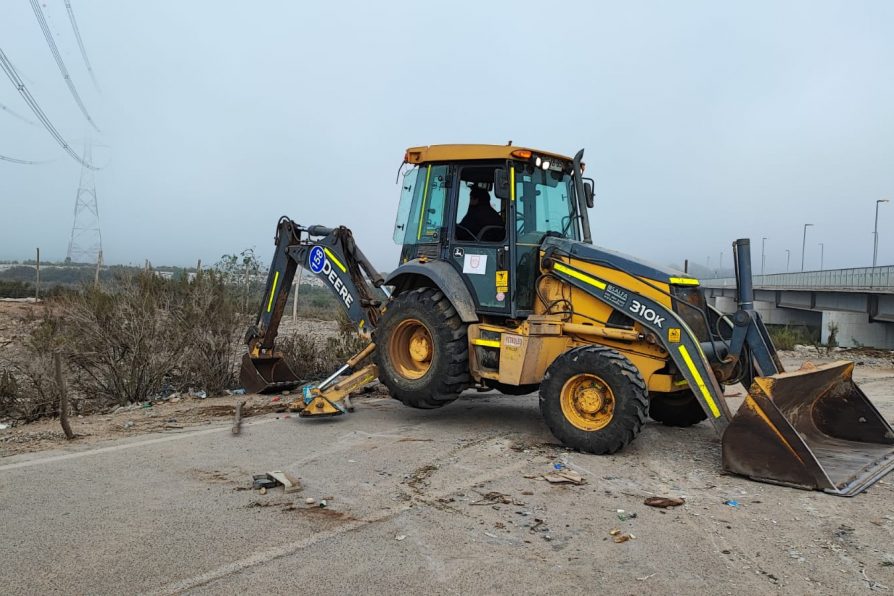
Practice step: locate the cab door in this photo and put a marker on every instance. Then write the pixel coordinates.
(483, 260)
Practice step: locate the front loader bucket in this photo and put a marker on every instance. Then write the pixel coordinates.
(812, 429)
(269, 374)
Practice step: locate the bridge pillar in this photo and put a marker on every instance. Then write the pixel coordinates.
(855, 329)
(725, 304)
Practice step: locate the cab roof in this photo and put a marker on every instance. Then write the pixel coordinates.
(435, 153)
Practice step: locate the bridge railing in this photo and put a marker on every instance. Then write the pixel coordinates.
(859, 278)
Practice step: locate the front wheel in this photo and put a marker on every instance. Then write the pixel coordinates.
(594, 399)
(680, 409)
(422, 349)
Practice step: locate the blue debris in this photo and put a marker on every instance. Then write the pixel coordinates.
(731, 503)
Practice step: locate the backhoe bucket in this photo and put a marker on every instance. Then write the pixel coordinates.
(812, 429)
(269, 374)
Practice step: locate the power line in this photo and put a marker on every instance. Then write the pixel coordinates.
(77, 32)
(55, 51)
(32, 103)
(20, 161)
(17, 115)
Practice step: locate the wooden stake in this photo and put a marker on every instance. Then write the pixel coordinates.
(98, 265)
(37, 283)
(63, 397)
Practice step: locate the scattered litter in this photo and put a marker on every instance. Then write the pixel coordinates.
(275, 399)
(625, 515)
(645, 577)
(264, 481)
(200, 394)
(147, 404)
(290, 483)
(239, 391)
(263, 490)
(310, 501)
(400, 537)
(614, 532)
(618, 536)
(3, 426)
(128, 424)
(323, 503)
(731, 503)
(489, 535)
(564, 477)
(664, 502)
(352, 461)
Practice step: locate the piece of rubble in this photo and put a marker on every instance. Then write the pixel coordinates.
(564, 477)
(664, 502)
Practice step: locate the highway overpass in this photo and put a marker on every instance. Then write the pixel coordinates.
(860, 301)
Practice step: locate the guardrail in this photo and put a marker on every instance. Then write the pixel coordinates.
(877, 279)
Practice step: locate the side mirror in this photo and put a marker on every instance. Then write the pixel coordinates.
(588, 192)
(501, 184)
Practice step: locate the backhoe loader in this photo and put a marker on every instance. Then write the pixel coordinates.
(500, 287)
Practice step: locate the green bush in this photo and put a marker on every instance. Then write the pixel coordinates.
(786, 337)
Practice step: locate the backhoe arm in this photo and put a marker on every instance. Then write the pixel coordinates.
(332, 255)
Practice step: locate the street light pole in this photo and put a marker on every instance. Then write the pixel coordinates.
(804, 245)
(763, 253)
(822, 250)
(788, 258)
(875, 232)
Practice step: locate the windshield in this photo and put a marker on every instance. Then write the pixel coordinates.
(545, 202)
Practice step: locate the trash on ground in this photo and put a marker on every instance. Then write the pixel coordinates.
(128, 424)
(310, 500)
(618, 536)
(263, 490)
(289, 482)
(400, 537)
(625, 515)
(664, 502)
(3, 426)
(731, 503)
(239, 391)
(275, 399)
(323, 502)
(264, 481)
(564, 477)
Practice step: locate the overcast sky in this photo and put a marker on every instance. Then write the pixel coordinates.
(703, 122)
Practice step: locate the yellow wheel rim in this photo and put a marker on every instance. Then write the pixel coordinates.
(587, 402)
(410, 349)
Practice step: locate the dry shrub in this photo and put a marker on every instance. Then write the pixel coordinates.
(127, 345)
(313, 359)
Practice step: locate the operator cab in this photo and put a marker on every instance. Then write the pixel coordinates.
(485, 210)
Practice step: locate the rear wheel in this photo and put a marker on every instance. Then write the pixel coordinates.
(676, 409)
(594, 399)
(422, 349)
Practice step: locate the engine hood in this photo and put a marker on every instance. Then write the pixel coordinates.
(598, 255)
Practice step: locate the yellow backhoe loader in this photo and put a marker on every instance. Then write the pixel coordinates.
(500, 286)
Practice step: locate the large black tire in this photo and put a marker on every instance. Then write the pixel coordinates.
(438, 380)
(584, 379)
(680, 409)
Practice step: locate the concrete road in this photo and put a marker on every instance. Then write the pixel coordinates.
(446, 501)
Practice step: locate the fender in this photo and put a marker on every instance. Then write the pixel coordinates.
(416, 273)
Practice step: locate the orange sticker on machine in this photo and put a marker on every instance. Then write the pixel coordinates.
(673, 335)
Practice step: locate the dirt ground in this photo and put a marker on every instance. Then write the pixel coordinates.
(462, 488)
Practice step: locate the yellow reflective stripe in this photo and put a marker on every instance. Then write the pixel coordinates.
(578, 275)
(698, 381)
(334, 260)
(487, 343)
(422, 209)
(512, 183)
(273, 291)
(683, 281)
